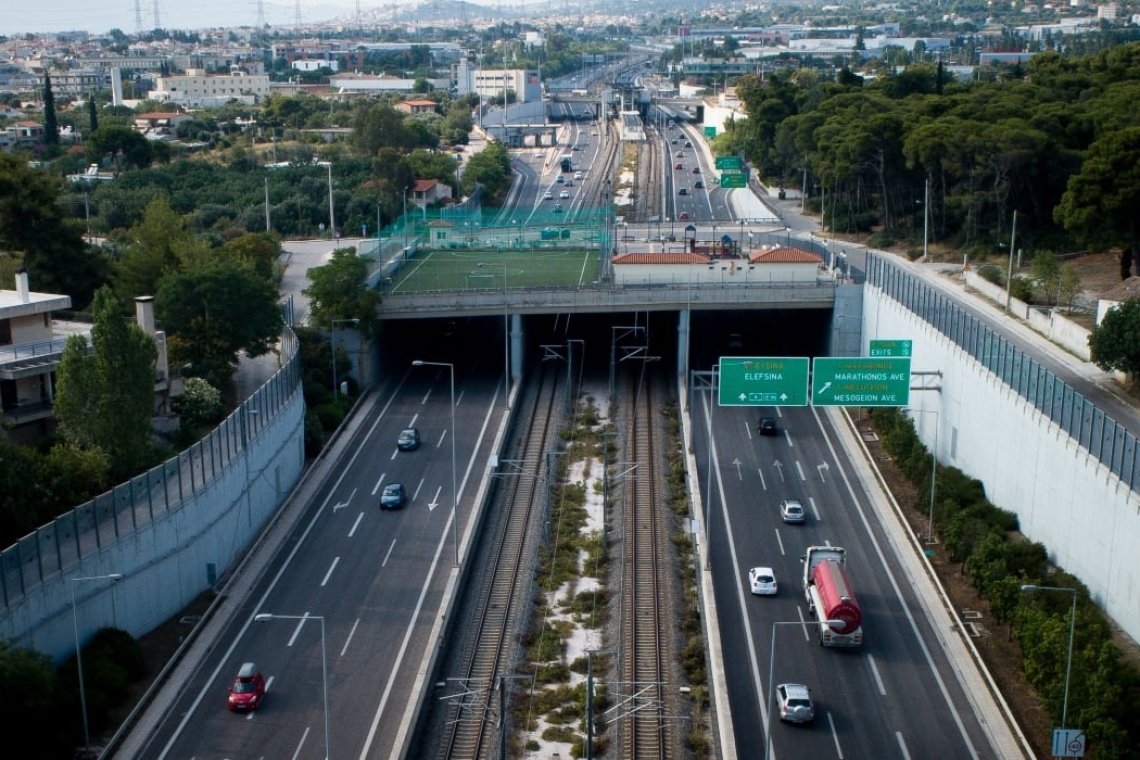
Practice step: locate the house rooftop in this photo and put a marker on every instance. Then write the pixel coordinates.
(785, 255)
(649, 257)
(1122, 291)
(13, 304)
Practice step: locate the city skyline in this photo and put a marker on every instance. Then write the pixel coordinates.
(100, 17)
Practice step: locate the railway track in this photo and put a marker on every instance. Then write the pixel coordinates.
(499, 598)
(647, 180)
(600, 192)
(643, 732)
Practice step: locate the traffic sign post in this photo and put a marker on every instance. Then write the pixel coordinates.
(727, 162)
(732, 180)
(1068, 742)
(860, 381)
(763, 381)
(890, 348)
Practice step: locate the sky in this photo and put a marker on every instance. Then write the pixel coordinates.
(100, 16)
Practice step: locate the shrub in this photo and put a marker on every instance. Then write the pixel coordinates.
(991, 273)
(1022, 290)
(200, 402)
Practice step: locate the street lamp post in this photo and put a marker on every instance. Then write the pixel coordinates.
(332, 339)
(925, 217)
(933, 469)
(332, 212)
(1072, 627)
(713, 401)
(404, 222)
(454, 492)
(834, 625)
(265, 617)
(116, 577)
(1009, 270)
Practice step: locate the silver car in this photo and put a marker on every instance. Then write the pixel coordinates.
(795, 703)
(791, 511)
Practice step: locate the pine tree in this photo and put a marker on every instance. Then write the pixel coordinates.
(105, 392)
(51, 126)
(92, 112)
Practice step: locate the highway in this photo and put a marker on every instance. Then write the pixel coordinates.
(377, 578)
(897, 696)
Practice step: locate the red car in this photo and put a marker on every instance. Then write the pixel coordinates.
(678, 166)
(248, 688)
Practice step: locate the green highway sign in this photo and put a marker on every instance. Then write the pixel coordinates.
(860, 381)
(890, 348)
(728, 162)
(732, 180)
(762, 381)
(710, 131)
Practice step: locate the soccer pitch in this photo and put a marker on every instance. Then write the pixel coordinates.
(470, 269)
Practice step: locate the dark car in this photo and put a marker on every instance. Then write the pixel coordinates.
(247, 689)
(683, 191)
(393, 496)
(698, 184)
(696, 170)
(767, 426)
(408, 440)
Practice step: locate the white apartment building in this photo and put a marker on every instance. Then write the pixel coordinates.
(197, 89)
(490, 83)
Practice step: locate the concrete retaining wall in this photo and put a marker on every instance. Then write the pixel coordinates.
(1064, 332)
(1064, 498)
(169, 560)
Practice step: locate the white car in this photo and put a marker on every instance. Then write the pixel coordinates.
(549, 196)
(577, 175)
(564, 194)
(762, 581)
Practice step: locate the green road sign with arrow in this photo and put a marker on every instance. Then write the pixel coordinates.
(763, 381)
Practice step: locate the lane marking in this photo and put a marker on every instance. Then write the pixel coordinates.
(335, 562)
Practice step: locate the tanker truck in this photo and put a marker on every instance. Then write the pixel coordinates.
(830, 597)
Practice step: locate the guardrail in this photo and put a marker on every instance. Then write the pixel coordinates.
(22, 351)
